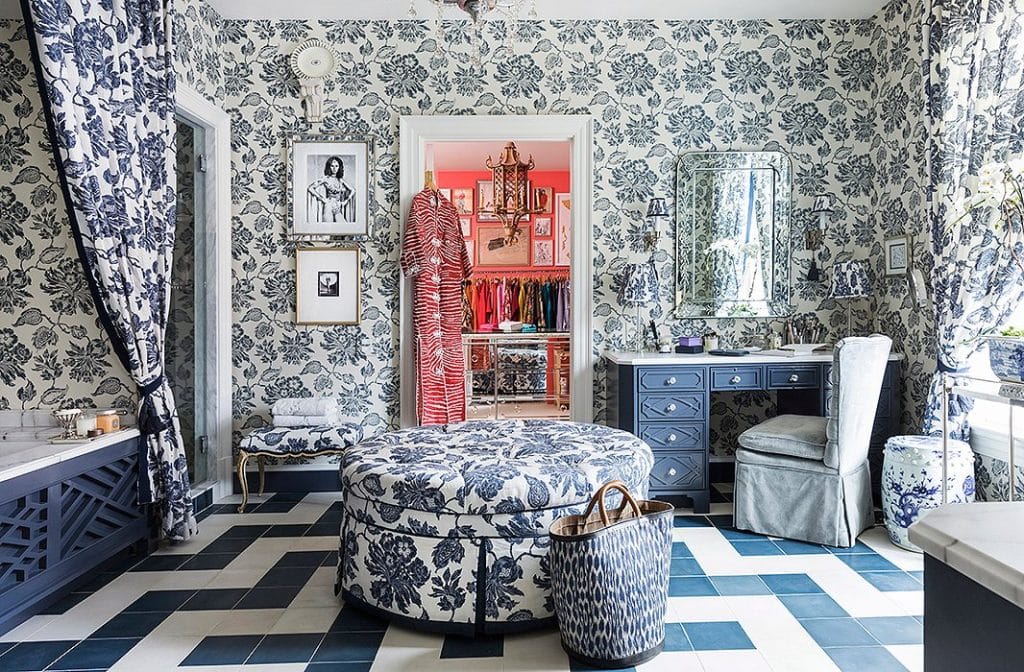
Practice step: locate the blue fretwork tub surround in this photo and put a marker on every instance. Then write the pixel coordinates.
(64, 511)
(445, 528)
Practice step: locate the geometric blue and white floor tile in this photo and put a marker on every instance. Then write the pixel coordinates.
(254, 594)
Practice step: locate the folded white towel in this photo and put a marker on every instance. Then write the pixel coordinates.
(305, 406)
(306, 420)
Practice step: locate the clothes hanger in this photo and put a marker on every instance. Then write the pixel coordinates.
(428, 181)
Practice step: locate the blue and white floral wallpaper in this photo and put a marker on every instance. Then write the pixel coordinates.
(840, 97)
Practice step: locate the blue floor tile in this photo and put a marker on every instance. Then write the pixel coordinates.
(577, 666)
(685, 567)
(837, 632)
(740, 585)
(891, 581)
(690, 586)
(750, 548)
(286, 531)
(286, 576)
(339, 667)
(289, 496)
(161, 563)
(352, 619)
(733, 534)
(868, 562)
(324, 530)
(95, 654)
(28, 656)
(919, 576)
(717, 636)
(791, 584)
(227, 545)
(302, 559)
(681, 550)
(676, 639)
(222, 650)
(894, 629)
(6, 646)
(812, 606)
(865, 659)
(160, 600)
(721, 521)
(245, 532)
(790, 547)
(213, 599)
(62, 605)
(130, 625)
(330, 560)
(274, 507)
(209, 561)
(858, 547)
(690, 521)
(347, 647)
(297, 648)
(278, 597)
(487, 646)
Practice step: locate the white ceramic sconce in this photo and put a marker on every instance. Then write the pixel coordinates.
(313, 62)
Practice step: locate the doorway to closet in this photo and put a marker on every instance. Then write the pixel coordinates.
(527, 350)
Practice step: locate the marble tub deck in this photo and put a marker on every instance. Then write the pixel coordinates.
(254, 593)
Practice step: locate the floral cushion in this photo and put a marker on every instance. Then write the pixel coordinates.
(486, 467)
(301, 440)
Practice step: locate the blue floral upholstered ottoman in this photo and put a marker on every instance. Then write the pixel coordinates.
(445, 528)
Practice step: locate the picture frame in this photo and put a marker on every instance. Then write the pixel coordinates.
(447, 193)
(492, 250)
(563, 229)
(544, 200)
(897, 255)
(327, 285)
(466, 225)
(485, 201)
(462, 199)
(543, 253)
(323, 202)
(470, 251)
(542, 226)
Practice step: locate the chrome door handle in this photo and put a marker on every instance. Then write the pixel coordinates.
(672, 471)
(671, 408)
(735, 380)
(671, 438)
(794, 378)
(671, 381)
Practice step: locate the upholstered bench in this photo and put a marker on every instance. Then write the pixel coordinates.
(292, 442)
(445, 528)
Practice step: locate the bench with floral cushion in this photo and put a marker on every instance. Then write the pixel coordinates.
(445, 528)
(284, 442)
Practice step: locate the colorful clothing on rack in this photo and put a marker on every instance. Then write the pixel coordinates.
(434, 255)
(542, 302)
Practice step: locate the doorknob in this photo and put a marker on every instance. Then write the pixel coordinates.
(672, 471)
(671, 408)
(671, 438)
(794, 378)
(735, 380)
(671, 381)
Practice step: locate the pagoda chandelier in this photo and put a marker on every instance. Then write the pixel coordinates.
(481, 11)
(510, 178)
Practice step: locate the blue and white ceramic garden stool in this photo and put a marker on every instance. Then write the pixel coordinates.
(912, 481)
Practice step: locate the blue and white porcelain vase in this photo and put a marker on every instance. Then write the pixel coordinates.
(912, 481)
(1006, 356)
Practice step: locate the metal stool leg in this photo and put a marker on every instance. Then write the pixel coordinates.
(243, 457)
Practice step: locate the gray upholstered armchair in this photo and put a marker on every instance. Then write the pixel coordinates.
(807, 478)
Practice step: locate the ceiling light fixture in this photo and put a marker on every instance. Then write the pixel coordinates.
(480, 13)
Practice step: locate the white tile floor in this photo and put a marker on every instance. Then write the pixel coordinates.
(737, 613)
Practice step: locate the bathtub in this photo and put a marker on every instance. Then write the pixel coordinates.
(24, 450)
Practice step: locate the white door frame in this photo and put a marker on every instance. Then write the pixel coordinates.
(216, 124)
(415, 132)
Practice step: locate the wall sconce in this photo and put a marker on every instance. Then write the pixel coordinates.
(657, 209)
(815, 236)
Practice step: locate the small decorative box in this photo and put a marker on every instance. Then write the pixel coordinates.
(691, 341)
(689, 349)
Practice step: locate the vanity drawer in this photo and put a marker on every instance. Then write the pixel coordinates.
(667, 379)
(736, 378)
(793, 377)
(681, 406)
(679, 471)
(681, 436)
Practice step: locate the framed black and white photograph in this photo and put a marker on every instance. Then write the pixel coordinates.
(327, 285)
(897, 255)
(329, 186)
(485, 201)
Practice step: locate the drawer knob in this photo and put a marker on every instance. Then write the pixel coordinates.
(794, 378)
(672, 471)
(671, 380)
(735, 380)
(671, 438)
(671, 408)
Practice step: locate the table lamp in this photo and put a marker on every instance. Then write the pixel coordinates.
(639, 288)
(850, 280)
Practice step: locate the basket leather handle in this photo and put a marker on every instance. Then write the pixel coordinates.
(598, 500)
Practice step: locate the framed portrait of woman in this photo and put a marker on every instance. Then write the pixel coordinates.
(329, 187)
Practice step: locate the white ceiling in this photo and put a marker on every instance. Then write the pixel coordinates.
(559, 9)
(546, 9)
(473, 155)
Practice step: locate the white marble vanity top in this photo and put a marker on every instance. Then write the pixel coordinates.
(21, 454)
(669, 358)
(983, 541)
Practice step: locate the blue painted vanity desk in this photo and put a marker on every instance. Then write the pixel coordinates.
(665, 399)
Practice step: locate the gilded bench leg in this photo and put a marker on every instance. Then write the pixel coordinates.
(242, 459)
(263, 476)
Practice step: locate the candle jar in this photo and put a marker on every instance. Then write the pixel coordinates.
(108, 421)
(86, 422)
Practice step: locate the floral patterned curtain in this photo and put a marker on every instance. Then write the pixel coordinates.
(976, 108)
(107, 73)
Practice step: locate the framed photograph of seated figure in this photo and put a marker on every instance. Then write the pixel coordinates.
(327, 285)
(329, 188)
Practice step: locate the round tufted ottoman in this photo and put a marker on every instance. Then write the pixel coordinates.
(445, 528)
(912, 481)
